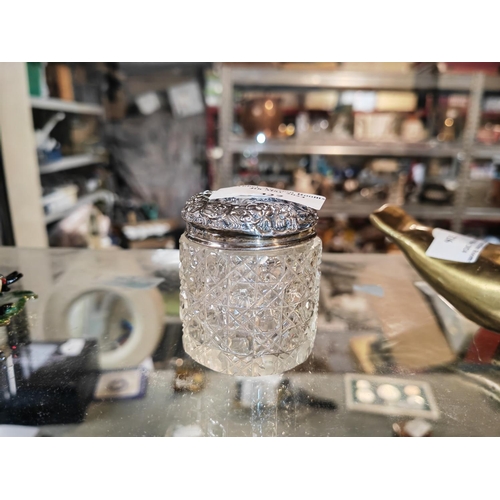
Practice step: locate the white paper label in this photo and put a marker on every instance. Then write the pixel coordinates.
(72, 347)
(188, 431)
(448, 245)
(309, 200)
(37, 356)
(18, 431)
(148, 103)
(418, 427)
(12, 376)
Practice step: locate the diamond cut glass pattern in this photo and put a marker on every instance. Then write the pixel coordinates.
(249, 312)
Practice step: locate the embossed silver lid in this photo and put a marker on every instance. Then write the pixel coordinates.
(250, 222)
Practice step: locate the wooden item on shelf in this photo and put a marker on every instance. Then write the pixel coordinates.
(384, 165)
(375, 127)
(396, 101)
(410, 328)
(489, 68)
(361, 350)
(413, 130)
(309, 66)
(325, 100)
(495, 197)
(60, 82)
(378, 67)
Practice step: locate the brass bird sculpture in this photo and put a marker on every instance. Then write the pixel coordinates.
(472, 288)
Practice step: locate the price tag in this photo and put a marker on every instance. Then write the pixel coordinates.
(72, 347)
(309, 200)
(448, 245)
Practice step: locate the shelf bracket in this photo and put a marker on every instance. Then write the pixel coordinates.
(470, 132)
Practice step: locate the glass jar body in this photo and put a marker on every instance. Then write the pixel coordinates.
(249, 312)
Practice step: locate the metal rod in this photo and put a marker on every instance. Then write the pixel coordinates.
(471, 127)
(224, 174)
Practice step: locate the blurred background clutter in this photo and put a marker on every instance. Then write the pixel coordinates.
(104, 155)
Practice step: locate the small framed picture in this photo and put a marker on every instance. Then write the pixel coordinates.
(186, 99)
(121, 384)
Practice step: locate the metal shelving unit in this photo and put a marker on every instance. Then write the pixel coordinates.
(272, 78)
(482, 213)
(70, 162)
(53, 104)
(101, 195)
(466, 150)
(485, 152)
(364, 209)
(314, 147)
(74, 161)
(21, 163)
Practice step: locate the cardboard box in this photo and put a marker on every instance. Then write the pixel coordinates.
(408, 323)
(396, 101)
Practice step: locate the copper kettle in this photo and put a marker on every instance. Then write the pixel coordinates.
(261, 114)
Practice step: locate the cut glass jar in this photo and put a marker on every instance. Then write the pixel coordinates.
(249, 283)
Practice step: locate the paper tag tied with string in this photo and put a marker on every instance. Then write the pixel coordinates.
(309, 200)
(455, 247)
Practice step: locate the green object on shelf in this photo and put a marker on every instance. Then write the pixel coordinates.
(12, 303)
(151, 210)
(35, 75)
(172, 303)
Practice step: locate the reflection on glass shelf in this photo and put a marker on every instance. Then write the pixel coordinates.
(330, 146)
(101, 315)
(57, 215)
(486, 151)
(333, 208)
(483, 201)
(482, 213)
(70, 162)
(250, 78)
(53, 104)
